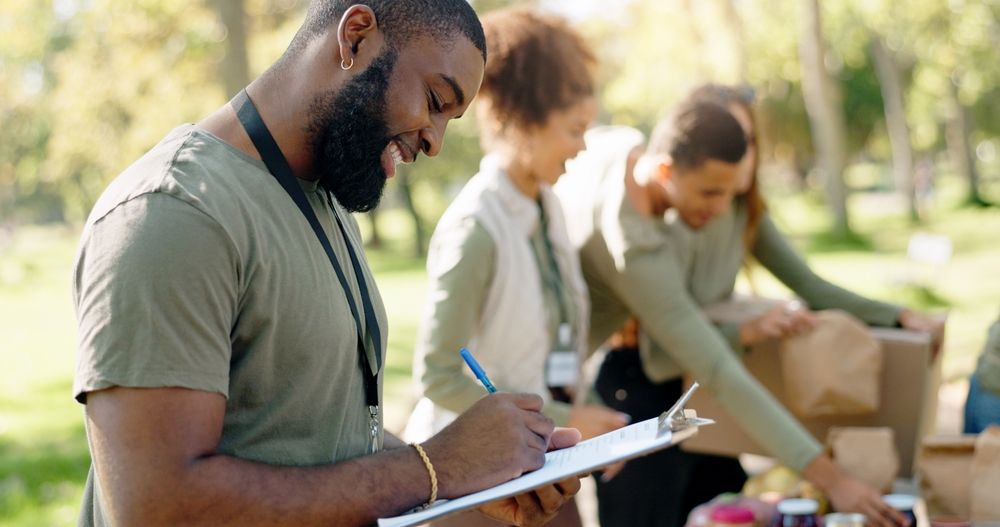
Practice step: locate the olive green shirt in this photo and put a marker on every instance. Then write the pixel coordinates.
(197, 270)
(456, 311)
(632, 266)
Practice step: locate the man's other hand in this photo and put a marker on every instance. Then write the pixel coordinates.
(499, 438)
(539, 506)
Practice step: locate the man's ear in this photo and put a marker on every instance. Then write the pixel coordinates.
(357, 33)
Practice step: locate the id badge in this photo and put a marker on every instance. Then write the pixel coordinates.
(560, 370)
(562, 366)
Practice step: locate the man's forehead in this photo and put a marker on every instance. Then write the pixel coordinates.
(455, 60)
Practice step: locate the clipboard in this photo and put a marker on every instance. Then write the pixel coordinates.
(636, 440)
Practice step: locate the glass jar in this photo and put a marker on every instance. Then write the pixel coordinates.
(797, 513)
(844, 519)
(904, 504)
(732, 516)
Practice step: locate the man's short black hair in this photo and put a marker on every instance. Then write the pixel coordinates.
(400, 20)
(698, 131)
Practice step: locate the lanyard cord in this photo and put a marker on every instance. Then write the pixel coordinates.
(278, 166)
(553, 281)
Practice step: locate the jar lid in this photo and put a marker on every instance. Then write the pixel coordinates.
(844, 518)
(798, 507)
(732, 514)
(900, 502)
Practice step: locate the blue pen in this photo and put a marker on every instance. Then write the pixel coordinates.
(477, 370)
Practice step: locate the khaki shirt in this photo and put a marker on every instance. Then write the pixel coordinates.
(455, 310)
(197, 270)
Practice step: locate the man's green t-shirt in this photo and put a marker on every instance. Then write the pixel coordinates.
(197, 270)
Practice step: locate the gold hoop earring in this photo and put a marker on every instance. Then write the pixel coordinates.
(345, 66)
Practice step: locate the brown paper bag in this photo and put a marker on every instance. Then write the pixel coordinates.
(835, 369)
(866, 453)
(986, 477)
(945, 467)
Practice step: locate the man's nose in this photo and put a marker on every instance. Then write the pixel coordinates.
(432, 137)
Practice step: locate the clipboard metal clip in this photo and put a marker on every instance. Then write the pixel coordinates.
(678, 418)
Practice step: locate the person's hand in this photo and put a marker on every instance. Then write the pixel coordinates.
(848, 494)
(499, 438)
(593, 420)
(851, 495)
(609, 472)
(926, 323)
(779, 322)
(539, 506)
(627, 337)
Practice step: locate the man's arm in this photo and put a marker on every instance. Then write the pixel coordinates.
(154, 451)
(391, 442)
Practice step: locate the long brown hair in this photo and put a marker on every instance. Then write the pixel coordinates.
(743, 97)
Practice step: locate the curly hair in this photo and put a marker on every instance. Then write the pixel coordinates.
(536, 65)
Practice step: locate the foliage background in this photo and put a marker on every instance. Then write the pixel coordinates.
(86, 86)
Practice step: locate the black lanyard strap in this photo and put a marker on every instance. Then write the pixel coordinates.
(278, 166)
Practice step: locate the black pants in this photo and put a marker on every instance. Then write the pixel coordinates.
(662, 488)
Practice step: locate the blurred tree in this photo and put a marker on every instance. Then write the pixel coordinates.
(89, 85)
(950, 49)
(895, 121)
(957, 132)
(410, 204)
(485, 6)
(374, 240)
(823, 104)
(235, 65)
(734, 29)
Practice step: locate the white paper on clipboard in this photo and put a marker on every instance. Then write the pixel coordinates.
(623, 444)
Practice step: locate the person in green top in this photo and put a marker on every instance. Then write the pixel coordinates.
(615, 196)
(718, 251)
(231, 335)
(982, 407)
(504, 281)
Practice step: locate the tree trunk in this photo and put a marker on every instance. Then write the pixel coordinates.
(406, 189)
(960, 149)
(235, 66)
(375, 240)
(697, 39)
(735, 29)
(895, 124)
(826, 117)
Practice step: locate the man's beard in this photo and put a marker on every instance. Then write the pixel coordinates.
(347, 134)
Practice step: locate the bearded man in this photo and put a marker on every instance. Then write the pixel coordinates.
(231, 336)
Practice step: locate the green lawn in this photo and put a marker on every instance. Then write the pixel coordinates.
(43, 452)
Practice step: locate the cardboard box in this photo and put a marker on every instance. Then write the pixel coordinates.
(908, 393)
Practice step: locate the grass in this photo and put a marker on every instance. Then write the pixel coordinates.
(43, 451)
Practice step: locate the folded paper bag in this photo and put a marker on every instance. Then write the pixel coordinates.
(867, 453)
(986, 477)
(945, 466)
(835, 369)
